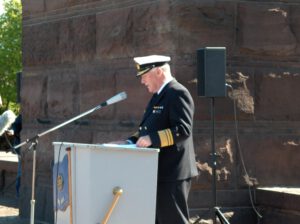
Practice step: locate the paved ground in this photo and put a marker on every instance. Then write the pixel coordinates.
(9, 212)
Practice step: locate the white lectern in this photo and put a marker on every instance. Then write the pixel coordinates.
(98, 184)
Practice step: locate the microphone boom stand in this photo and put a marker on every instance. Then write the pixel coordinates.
(34, 142)
(216, 209)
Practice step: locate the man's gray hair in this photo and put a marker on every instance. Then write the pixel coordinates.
(166, 69)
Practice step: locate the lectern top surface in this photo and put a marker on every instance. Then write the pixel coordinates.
(130, 147)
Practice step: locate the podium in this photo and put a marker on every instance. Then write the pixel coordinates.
(99, 184)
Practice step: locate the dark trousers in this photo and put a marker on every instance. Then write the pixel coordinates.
(171, 202)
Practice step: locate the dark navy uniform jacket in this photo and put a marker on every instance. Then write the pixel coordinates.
(168, 120)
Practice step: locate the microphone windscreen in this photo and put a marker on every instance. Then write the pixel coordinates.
(117, 98)
(6, 119)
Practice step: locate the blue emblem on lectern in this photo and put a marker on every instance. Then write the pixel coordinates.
(61, 184)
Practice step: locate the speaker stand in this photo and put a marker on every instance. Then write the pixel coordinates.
(216, 209)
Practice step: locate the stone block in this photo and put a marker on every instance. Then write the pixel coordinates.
(82, 2)
(275, 94)
(228, 198)
(265, 29)
(130, 31)
(107, 136)
(32, 7)
(203, 23)
(270, 160)
(82, 37)
(277, 216)
(226, 162)
(70, 40)
(34, 95)
(279, 204)
(279, 198)
(153, 29)
(63, 95)
(295, 23)
(242, 92)
(132, 109)
(55, 4)
(97, 84)
(114, 34)
(40, 46)
(184, 68)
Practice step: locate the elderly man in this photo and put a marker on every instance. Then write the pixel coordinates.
(168, 124)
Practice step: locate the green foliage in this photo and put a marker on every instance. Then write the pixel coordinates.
(10, 51)
(10, 105)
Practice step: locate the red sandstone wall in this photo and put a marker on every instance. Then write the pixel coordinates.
(78, 53)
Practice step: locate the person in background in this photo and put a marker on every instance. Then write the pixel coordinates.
(167, 124)
(14, 127)
(17, 128)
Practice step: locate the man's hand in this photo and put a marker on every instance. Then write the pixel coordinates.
(144, 142)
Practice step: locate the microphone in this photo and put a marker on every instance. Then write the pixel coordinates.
(115, 99)
(6, 119)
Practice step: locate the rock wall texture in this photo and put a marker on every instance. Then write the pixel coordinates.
(78, 53)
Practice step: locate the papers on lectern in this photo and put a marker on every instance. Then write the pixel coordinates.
(127, 146)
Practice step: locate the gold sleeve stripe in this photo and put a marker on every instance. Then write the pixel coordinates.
(163, 138)
(166, 137)
(170, 136)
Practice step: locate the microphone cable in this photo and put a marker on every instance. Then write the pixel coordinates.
(242, 157)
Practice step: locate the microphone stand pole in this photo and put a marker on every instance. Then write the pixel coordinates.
(34, 142)
(216, 209)
(32, 201)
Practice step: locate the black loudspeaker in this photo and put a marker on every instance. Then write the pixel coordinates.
(211, 67)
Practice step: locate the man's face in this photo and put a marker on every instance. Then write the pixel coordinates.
(152, 80)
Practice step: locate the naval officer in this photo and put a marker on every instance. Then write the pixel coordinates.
(167, 124)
